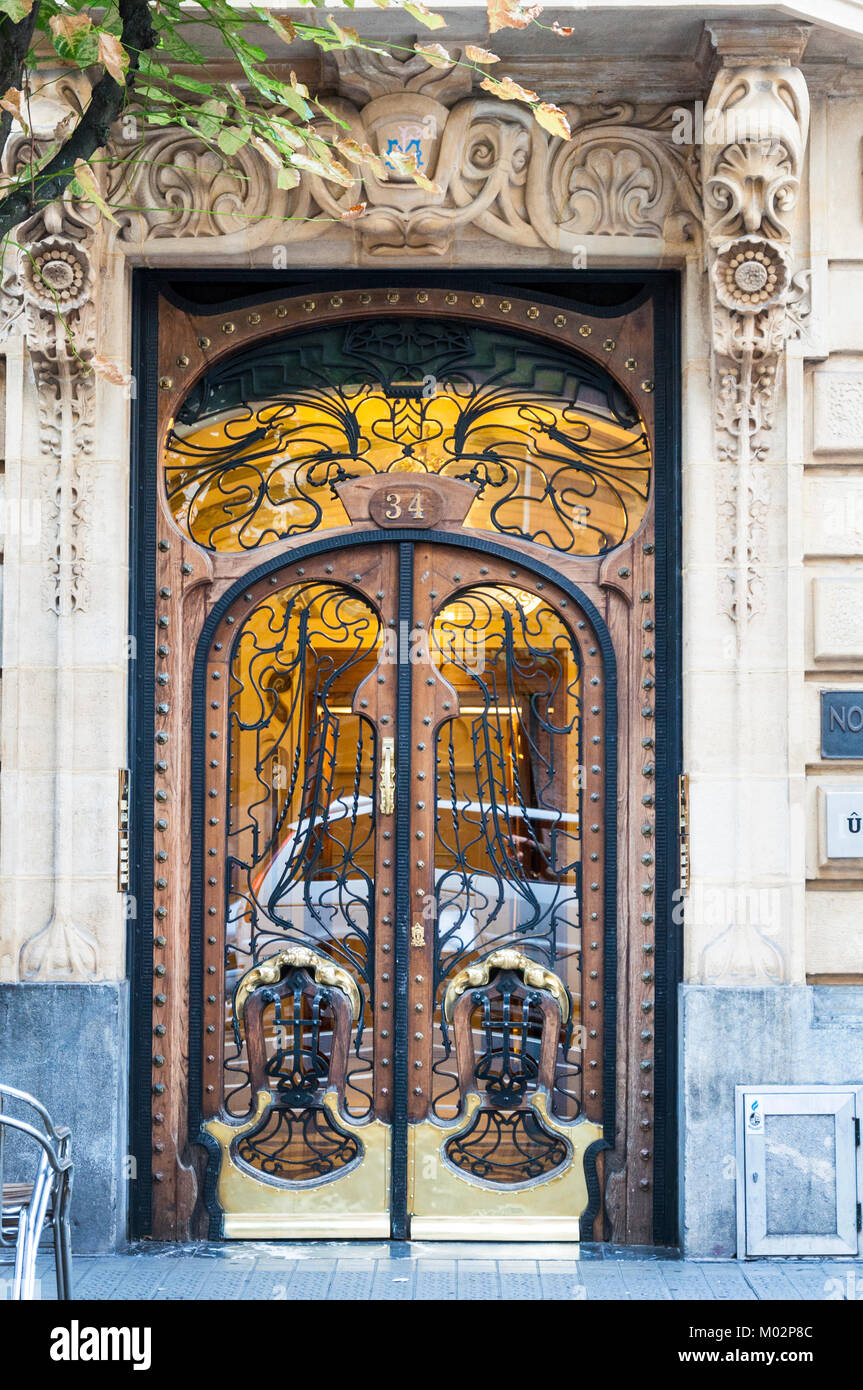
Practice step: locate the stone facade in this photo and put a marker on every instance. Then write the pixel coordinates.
(758, 206)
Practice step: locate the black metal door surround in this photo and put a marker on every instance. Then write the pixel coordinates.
(500, 1013)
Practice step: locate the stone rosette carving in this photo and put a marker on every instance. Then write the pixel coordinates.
(750, 275)
(55, 275)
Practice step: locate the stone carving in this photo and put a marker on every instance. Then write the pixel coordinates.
(742, 954)
(619, 177)
(756, 124)
(50, 297)
(493, 167)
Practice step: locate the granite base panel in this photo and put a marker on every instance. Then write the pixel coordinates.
(67, 1044)
(777, 1035)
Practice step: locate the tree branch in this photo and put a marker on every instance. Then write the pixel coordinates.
(14, 47)
(94, 128)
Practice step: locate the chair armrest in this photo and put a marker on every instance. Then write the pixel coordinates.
(60, 1162)
(26, 1099)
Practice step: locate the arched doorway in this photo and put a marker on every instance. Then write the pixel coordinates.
(402, 559)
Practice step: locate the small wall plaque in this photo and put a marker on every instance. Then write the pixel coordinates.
(844, 813)
(842, 724)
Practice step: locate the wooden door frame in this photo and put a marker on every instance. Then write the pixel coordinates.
(661, 289)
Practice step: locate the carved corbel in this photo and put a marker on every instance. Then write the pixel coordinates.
(49, 298)
(755, 128)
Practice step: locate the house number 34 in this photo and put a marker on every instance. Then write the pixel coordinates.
(396, 503)
(409, 506)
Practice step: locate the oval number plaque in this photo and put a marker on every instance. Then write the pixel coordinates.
(414, 504)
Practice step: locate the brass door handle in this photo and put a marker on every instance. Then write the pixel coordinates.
(388, 776)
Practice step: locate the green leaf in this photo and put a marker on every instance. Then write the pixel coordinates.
(143, 89)
(16, 9)
(337, 120)
(287, 178)
(179, 49)
(232, 138)
(191, 84)
(279, 92)
(151, 67)
(209, 118)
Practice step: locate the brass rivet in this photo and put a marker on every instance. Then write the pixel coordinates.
(505, 306)
(254, 318)
(609, 345)
(203, 342)
(477, 301)
(452, 299)
(392, 297)
(422, 297)
(281, 312)
(647, 386)
(182, 360)
(228, 327)
(585, 330)
(560, 321)
(166, 382)
(630, 364)
(336, 300)
(533, 312)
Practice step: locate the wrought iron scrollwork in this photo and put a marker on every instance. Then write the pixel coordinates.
(507, 1148)
(297, 1145)
(557, 450)
(509, 846)
(301, 820)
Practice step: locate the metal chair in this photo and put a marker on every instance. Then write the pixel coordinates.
(28, 1207)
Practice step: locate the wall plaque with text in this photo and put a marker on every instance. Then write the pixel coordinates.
(842, 724)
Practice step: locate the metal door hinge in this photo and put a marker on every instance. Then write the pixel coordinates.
(857, 1130)
(123, 830)
(859, 1217)
(683, 828)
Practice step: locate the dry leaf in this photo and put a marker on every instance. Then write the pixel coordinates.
(282, 26)
(510, 14)
(479, 55)
(11, 102)
(563, 29)
(109, 371)
(113, 57)
(405, 163)
(66, 26)
(362, 154)
(435, 54)
(507, 89)
(89, 187)
(349, 37)
(299, 87)
(425, 16)
(422, 182)
(356, 211)
(551, 118)
(64, 126)
(267, 151)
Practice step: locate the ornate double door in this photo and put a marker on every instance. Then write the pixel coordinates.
(401, 827)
